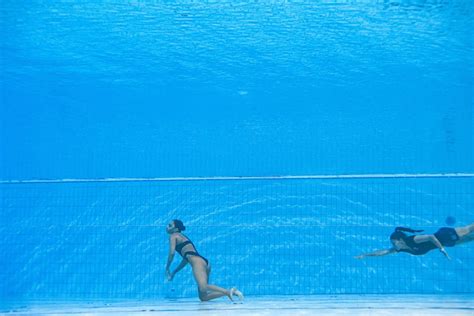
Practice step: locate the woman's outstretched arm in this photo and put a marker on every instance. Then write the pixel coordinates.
(377, 253)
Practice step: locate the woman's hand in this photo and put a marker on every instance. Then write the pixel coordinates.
(445, 253)
(170, 276)
(359, 257)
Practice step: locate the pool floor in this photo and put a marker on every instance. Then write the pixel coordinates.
(263, 305)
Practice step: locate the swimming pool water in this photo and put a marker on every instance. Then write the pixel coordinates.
(223, 88)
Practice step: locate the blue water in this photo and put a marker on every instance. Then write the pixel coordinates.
(185, 88)
(250, 88)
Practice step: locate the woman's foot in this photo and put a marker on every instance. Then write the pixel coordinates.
(234, 291)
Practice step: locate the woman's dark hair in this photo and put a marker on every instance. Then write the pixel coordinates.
(179, 225)
(399, 233)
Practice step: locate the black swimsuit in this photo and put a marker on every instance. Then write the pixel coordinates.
(447, 237)
(180, 246)
(417, 249)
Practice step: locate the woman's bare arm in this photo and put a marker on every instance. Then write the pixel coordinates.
(181, 265)
(171, 253)
(377, 253)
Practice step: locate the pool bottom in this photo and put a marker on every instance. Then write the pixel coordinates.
(263, 305)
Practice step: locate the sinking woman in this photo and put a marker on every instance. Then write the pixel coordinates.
(200, 265)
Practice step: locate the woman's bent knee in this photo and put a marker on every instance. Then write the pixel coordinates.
(202, 290)
(203, 296)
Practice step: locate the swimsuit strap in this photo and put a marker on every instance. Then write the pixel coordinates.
(180, 246)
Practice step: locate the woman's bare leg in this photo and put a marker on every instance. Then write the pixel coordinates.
(465, 239)
(208, 272)
(207, 291)
(207, 296)
(464, 231)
